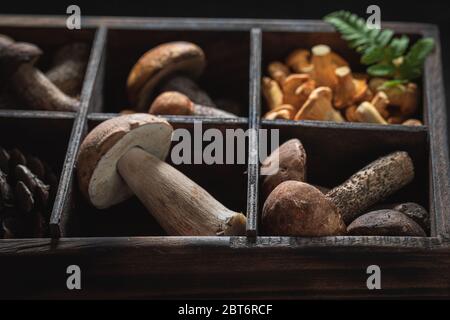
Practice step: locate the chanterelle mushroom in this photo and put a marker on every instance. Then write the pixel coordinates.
(30, 84)
(159, 63)
(319, 107)
(124, 156)
(297, 209)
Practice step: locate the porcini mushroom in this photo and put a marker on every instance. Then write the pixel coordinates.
(348, 89)
(385, 223)
(68, 68)
(323, 66)
(30, 84)
(158, 64)
(298, 209)
(189, 88)
(296, 89)
(272, 93)
(124, 156)
(287, 162)
(176, 103)
(319, 107)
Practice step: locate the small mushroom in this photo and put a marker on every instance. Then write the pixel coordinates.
(272, 93)
(323, 66)
(351, 114)
(413, 122)
(125, 155)
(30, 84)
(285, 112)
(381, 101)
(175, 103)
(385, 223)
(289, 163)
(403, 96)
(368, 113)
(297, 209)
(348, 90)
(160, 63)
(278, 71)
(416, 212)
(299, 62)
(68, 68)
(296, 89)
(319, 107)
(189, 88)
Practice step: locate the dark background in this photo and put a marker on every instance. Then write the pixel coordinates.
(429, 11)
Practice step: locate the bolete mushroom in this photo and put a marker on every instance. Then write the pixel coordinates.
(287, 162)
(124, 156)
(176, 103)
(298, 209)
(385, 223)
(68, 68)
(29, 83)
(158, 64)
(319, 107)
(189, 88)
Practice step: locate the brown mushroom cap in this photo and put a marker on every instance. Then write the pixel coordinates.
(291, 165)
(173, 103)
(97, 174)
(159, 63)
(385, 223)
(298, 209)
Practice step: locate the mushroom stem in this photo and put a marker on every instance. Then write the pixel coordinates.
(180, 205)
(39, 92)
(323, 66)
(368, 113)
(190, 88)
(372, 184)
(68, 68)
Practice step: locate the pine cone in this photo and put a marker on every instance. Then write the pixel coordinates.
(27, 187)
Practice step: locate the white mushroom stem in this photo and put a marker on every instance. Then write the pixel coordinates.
(179, 205)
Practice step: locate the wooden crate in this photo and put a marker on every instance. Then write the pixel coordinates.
(122, 252)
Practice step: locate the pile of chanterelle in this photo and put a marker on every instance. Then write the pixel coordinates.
(319, 85)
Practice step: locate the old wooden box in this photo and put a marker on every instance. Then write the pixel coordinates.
(122, 252)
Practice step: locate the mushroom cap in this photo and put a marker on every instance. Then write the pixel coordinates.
(173, 103)
(385, 223)
(14, 54)
(159, 63)
(298, 209)
(102, 148)
(291, 165)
